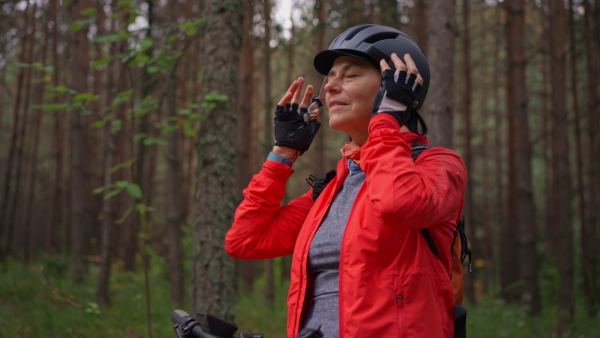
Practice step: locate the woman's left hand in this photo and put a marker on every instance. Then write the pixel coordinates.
(398, 93)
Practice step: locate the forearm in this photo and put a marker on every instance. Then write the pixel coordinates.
(262, 228)
(409, 194)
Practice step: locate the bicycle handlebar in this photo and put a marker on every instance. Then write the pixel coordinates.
(184, 325)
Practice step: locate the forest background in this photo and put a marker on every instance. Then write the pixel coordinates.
(129, 128)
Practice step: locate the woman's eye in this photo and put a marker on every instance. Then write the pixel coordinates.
(351, 75)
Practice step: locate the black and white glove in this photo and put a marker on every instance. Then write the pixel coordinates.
(290, 129)
(397, 95)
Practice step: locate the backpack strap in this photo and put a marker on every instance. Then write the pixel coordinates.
(417, 149)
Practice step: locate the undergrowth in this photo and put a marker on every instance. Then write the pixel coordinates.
(41, 300)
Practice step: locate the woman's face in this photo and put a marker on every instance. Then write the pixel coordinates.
(352, 85)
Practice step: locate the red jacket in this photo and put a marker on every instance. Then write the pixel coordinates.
(390, 284)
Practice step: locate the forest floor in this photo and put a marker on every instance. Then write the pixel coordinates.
(39, 300)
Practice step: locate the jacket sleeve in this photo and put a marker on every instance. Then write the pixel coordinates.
(262, 228)
(408, 194)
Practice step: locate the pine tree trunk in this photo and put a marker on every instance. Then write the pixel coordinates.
(592, 148)
(421, 35)
(524, 187)
(588, 231)
(245, 112)
(56, 224)
(109, 156)
(268, 125)
(499, 159)
(440, 103)
(78, 50)
(7, 216)
(469, 211)
(212, 269)
(560, 165)
(34, 237)
(18, 209)
(521, 209)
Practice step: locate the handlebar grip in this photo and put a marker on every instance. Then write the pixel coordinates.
(181, 318)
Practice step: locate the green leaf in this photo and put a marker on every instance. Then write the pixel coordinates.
(150, 141)
(99, 124)
(198, 116)
(23, 65)
(112, 194)
(121, 184)
(153, 69)
(145, 43)
(189, 132)
(102, 62)
(80, 24)
(98, 190)
(54, 106)
(114, 15)
(121, 98)
(117, 125)
(88, 11)
(86, 97)
(140, 58)
(139, 136)
(50, 96)
(185, 111)
(191, 31)
(165, 61)
(123, 165)
(215, 97)
(134, 190)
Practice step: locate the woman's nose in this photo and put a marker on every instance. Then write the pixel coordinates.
(332, 85)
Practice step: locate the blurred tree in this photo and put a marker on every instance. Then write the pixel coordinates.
(440, 103)
(592, 148)
(212, 269)
(561, 182)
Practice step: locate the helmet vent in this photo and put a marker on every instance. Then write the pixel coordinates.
(356, 31)
(381, 36)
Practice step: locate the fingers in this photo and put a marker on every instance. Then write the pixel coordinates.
(384, 65)
(307, 97)
(298, 91)
(289, 94)
(399, 64)
(294, 92)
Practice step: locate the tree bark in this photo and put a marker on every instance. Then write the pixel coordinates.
(109, 215)
(34, 237)
(588, 230)
(79, 57)
(592, 165)
(267, 11)
(421, 24)
(469, 208)
(245, 112)
(440, 102)
(521, 210)
(7, 210)
(56, 225)
(212, 282)
(560, 165)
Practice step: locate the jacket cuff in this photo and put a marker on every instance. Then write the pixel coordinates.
(383, 120)
(277, 171)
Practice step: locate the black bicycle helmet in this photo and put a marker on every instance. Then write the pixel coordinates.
(373, 43)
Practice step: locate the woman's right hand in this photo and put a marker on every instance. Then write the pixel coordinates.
(293, 135)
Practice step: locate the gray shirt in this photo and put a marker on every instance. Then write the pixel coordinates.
(324, 257)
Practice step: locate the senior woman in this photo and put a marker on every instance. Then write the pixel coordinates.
(360, 267)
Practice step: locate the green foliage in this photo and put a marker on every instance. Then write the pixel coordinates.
(114, 189)
(40, 300)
